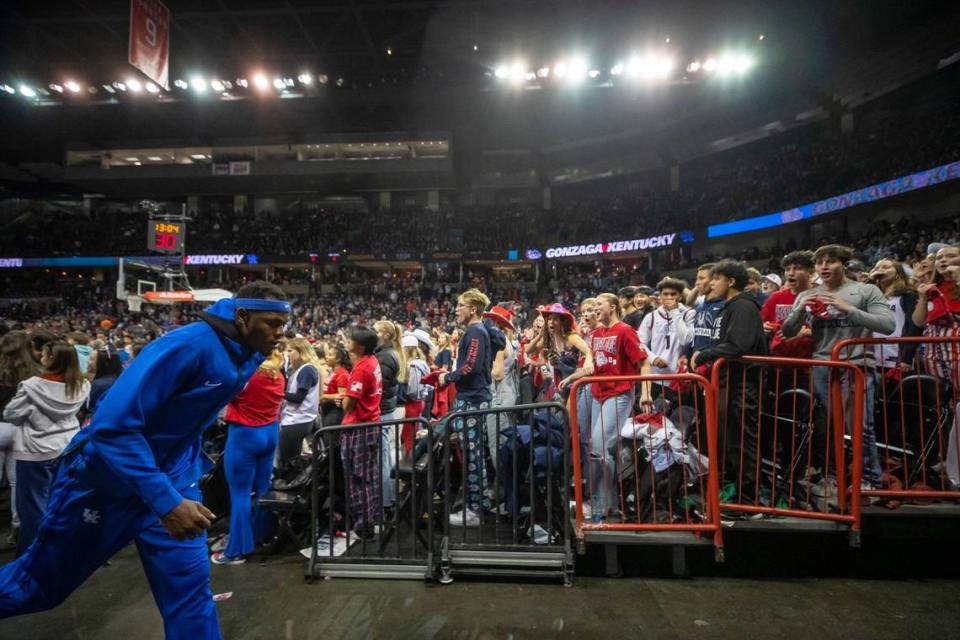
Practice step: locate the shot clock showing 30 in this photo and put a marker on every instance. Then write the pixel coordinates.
(165, 237)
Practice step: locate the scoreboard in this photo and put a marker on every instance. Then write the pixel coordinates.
(166, 237)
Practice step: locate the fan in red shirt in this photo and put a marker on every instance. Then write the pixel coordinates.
(360, 448)
(616, 351)
(253, 419)
(335, 389)
(798, 271)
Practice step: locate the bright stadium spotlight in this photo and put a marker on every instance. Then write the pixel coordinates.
(151, 88)
(560, 69)
(71, 86)
(288, 82)
(180, 84)
(260, 81)
(27, 92)
(323, 78)
(134, 85)
(216, 85)
(119, 86)
(517, 73)
(617, 69)
(501, 72)
(734, 64)
(710, 65)
(198, 84)
(742, 63)
(305, 79)
(109, 89)
(543, 72)
(278, 84)
(530, 76)
(242, 82)
(56, 87)
(7, 88)
(594, 73)
(577, 69)
(694, 66)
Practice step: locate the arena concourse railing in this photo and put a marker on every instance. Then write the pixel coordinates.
(505, 492)
(790, 437)
(648, 477)
(372, 502)
(917, 390)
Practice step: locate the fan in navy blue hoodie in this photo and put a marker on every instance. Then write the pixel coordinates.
(478, 347)
(132, 474)
(473, 376)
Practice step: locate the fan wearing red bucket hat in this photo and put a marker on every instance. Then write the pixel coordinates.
(563, 346)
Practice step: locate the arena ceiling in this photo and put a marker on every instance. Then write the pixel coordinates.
(405, 41)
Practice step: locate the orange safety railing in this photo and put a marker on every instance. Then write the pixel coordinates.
(636, 468)
(915, 414)
(784, 433)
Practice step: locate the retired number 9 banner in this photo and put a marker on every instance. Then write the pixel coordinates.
(150, 40)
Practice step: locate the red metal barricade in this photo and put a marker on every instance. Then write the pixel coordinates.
(917, 390)
(646, 472)
(786, 433)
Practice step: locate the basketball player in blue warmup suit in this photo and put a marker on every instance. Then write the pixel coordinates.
(132, 474)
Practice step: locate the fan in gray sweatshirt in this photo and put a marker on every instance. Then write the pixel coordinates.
(870, 313)
(47, 417)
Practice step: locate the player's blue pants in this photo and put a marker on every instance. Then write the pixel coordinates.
(82, 529)
(248, 463)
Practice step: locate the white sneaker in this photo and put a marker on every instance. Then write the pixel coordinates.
(587, 511)
(221, 558)
(472, 519)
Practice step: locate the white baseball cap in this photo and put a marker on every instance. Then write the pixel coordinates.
(774, 278)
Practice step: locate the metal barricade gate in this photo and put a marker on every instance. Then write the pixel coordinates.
(917, 390)
(372, 505)
(647, 478)
(505, 492)
(787, 429)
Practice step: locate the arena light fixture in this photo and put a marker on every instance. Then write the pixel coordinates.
(305, 79)
(27, 92)
(216, 85)
(543, 72)
(242, 82)
(109, 89)
(710, 65)
(71, 86)
(288, 82)
(560, 69)
(577, 69)
(594, 73)
(278, 84)
(617, 69)
(134, 85)
(693, 67)
(198, 84)
(501, 72)
(518, 72)
(180, 84)
(56, 87)
(7, 88)
(151, 88)
(119, 86)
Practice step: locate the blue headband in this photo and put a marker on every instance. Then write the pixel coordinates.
(254, 304)
(226, 308)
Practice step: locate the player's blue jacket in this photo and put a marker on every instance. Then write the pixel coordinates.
(145, 437)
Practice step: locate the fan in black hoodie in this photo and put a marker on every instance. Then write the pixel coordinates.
(738, 332)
